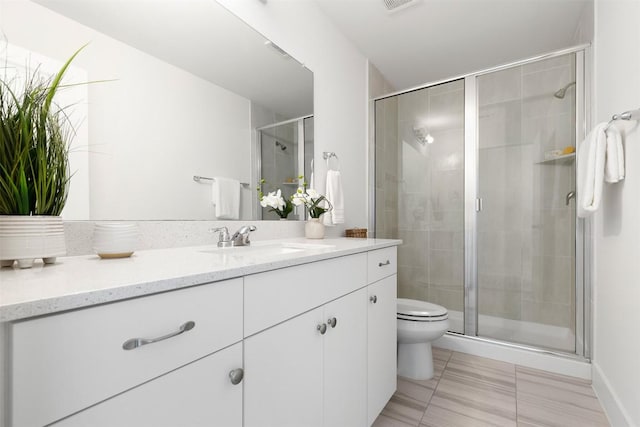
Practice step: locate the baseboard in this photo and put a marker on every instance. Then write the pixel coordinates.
(529, 358)
(609, 400)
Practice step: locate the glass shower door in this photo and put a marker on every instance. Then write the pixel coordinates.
(526, 246)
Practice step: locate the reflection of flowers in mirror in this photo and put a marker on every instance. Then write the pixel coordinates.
(274, 201)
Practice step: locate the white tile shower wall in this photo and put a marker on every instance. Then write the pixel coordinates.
(525, 237)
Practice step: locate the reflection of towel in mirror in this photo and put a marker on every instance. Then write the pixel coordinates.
(225, 195)
(335, 195)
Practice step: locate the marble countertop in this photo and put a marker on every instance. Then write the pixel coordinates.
(83, 281)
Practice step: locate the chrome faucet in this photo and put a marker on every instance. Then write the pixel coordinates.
(224, 241)
(239, 238)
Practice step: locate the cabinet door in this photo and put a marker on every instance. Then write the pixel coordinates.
(283, 374)
(382, 345)
(198, 394)
(345, 361)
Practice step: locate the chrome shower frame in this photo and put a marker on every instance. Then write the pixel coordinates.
(583, 233)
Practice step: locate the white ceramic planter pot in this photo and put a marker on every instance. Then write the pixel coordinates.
(27, 238)
(314, 229)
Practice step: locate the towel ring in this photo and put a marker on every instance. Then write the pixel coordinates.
(327, 155)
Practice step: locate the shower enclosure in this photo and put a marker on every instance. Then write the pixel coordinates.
(285, 152)
(477, 176)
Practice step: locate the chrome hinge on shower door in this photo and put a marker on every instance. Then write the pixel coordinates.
(479, 204)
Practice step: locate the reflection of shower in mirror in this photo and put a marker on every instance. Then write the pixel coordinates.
(560, 93)
(281, 145)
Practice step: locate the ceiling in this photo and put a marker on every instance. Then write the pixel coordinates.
(205, 39)
(438, 39)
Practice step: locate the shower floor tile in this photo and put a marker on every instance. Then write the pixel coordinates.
(470, 391)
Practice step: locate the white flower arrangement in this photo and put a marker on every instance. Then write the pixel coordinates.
(312, 200)
(275, 201)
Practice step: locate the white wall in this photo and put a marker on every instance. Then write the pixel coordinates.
(151, 129)
(340, 88)
(617, 226)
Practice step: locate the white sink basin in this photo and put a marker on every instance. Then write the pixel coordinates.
(268, 250)
(254, 250)
(307, 246)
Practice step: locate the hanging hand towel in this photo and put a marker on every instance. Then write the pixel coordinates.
(614, 163)
(225, 195)
(335, 195)
(591, 160)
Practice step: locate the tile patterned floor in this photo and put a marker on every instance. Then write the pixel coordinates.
(470, 391)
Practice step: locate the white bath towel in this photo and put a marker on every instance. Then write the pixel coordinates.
(335, 195)
(614, 163)
(225, 195)
(591, 159)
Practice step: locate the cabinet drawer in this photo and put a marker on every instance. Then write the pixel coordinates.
(275, 296)
(381, 263)
(64, 363)
(199, 394)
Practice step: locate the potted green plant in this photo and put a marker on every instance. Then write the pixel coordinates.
(35, 137)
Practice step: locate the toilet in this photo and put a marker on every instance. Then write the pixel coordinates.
(419, 323)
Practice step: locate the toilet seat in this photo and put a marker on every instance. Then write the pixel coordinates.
(420, 311)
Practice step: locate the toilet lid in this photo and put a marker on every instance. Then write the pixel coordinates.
(420, 309)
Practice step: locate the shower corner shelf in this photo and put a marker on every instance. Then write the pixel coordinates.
(565, 159)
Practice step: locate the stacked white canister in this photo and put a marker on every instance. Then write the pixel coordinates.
(115, 240)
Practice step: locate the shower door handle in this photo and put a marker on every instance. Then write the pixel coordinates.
(570, 195)
(479, 204)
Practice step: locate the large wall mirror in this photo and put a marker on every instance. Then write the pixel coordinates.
(185, 89)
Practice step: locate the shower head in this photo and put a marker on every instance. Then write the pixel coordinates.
(281, 145)
(422, 135)
(562, 92)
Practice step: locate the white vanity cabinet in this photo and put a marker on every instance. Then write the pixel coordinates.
(382, 268)
(310, 370)
(199, 394)
(64, 363)
(315, 344)
(283, 374)
(307, 369)
(381, 345)
(345, 361)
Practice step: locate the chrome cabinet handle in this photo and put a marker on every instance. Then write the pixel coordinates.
(134, 343)
(382, 264)
(322, 328)
(236, 376)
(332, 322)
(373, 299)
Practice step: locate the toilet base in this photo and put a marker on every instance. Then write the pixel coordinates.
(415, 361)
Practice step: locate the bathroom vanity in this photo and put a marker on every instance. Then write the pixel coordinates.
(276, 334)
